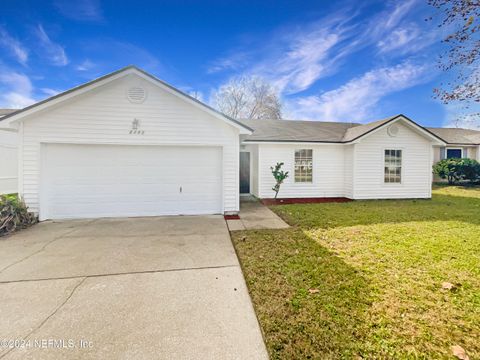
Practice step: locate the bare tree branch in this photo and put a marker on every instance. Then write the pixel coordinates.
(248, 97)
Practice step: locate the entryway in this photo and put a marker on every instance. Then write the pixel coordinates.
(244, 173)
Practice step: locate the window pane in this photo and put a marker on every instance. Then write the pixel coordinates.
(393, 166)
(303, 165)
(454, 153)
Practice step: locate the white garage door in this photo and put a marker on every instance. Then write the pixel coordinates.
(85, 181)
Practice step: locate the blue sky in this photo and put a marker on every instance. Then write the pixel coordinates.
(330, 60)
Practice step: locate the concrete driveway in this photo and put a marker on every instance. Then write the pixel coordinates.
(137, 288)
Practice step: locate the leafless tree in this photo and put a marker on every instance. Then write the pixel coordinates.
(461, 60)
(248, 97)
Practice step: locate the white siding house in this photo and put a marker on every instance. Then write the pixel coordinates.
(352, 167)
(328, 171)
(127, 145)
(368, 175)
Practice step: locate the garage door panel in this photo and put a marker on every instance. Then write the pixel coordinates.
(106, 180)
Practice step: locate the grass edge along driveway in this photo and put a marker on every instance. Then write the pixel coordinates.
(364, 279)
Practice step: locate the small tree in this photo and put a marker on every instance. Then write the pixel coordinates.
(455, 170)
(279, 176)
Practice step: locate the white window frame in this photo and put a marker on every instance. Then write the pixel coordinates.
(294, 166)
(402, 167)
(453, 148)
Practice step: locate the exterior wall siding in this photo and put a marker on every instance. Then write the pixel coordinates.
(349, 170)
(104, 116)
(8, 162)
(328, 171)
(416, 165)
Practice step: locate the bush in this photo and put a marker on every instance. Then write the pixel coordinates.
(14, 214)
(455, 170)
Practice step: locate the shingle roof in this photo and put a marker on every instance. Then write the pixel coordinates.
(297, 130)
(309, 131)
(457, 135)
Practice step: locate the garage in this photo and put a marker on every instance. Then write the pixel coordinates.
(125, 145)
(90, 181)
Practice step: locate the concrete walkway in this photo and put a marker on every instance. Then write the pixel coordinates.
(255, 215)
(138, 288)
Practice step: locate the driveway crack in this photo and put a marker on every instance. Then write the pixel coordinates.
(49, 316)
(41, 249)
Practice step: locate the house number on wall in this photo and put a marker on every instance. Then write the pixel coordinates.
(136, 128)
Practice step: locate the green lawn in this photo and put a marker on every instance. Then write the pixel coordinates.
(378, 267)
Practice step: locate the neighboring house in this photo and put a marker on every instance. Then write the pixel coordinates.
(128, 144)
(461, 143)
(8, 156)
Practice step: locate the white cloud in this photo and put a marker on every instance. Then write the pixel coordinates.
(55, 52)
(294, 59)
(235, 61)
(14, 46)
(16, 90)
(307, 59)
(398, 38)
(356, 100)
(82, 10)
(85, 65)
(49, 92)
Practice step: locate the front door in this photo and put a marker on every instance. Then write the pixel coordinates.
(244, 173)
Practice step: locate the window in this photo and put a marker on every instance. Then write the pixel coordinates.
(303, 165)
(454, 153)
(393, 166)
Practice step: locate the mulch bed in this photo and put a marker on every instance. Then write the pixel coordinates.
(304, 200)
(231, 217)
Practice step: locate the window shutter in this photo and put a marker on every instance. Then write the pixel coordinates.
(443, 154)
(465, 153)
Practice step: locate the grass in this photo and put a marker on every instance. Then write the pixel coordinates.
(379, 268)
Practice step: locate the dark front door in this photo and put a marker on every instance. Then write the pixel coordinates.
(244, 173)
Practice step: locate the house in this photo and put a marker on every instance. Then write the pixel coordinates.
(386, 159)
(461, 143)
(128, 144)
(8, 154)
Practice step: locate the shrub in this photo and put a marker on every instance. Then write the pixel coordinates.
(470, 170)
(14, 214)
(455, 170)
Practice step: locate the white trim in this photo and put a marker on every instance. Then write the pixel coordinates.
(402, 167)
(250, 175)
(297, 143)
(295, 182)
(20, 160)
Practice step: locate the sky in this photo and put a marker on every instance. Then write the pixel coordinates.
(347, 60)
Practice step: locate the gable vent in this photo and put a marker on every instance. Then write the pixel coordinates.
(136, 95)
(393, 130)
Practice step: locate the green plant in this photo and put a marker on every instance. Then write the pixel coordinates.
(455, 170)
(470, 170)
(279, 176)
(14, 214)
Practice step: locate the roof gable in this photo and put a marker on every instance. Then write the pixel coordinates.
(81, 89)
(324, 132)
(355, 134)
